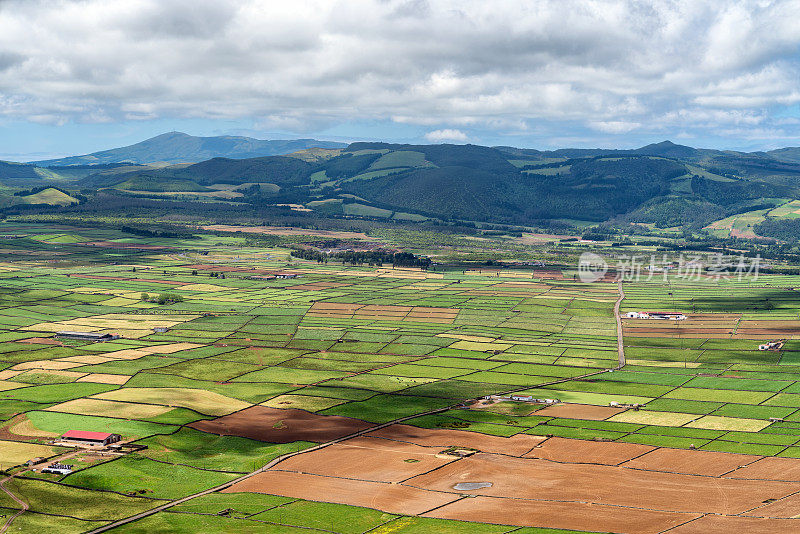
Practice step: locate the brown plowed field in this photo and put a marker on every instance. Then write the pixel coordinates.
(771, 469)
(771, 332)
(41, 341)
(587, 452)
(574, 516)
(706, 463)
(537, 479)
(682, 331)
(564, 483)
(788, 507)
(645, 333)
(580, 411)
(514, 446)
(365, 458)
(392, 498)
(714, 524)
(281, 426)
(770, 324)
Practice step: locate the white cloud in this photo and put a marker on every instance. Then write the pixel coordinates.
(610, 66)
(614, 127)
(439, 136)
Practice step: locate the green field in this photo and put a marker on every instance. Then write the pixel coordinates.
(365, 342)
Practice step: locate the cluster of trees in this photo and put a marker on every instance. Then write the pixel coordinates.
(167, 231)
(163, 298)
(783, 229)
(360, 257)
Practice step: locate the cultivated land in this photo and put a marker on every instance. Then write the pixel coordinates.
(353, 384)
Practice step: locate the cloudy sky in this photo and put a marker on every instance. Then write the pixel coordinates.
(83, 75)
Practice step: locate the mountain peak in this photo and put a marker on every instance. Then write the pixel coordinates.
(667, 149)
(179, 147)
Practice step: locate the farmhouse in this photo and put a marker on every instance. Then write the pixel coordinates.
(675, 316)
(87, 336)
(771, 345)
(82, 437)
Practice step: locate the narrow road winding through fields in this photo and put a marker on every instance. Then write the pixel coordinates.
(620, 348)
(280, 459)
(22, 503)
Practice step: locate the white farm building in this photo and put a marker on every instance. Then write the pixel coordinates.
(674, 316)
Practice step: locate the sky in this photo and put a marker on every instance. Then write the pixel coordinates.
(77, 76)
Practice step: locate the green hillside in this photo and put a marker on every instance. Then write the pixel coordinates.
(51, 196)
(662, 184)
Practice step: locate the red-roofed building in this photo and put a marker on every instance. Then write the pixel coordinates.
(83, 437)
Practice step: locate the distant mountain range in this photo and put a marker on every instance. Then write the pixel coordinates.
(662, 184)
(177, 147)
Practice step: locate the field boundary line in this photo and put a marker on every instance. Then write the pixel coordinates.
(262, 469)
(620, 348)
(279, 459)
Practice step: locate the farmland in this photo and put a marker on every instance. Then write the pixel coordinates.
(350, 382)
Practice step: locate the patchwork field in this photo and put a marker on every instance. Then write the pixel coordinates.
(362, 384)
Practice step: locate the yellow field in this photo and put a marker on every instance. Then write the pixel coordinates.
(302, 402)
(203, 287)
(463, 337)
(716, 422)
(26, 428)
(45, 364)
(654, 418)
(85, 359)
(112, 321)
(14, 452)
(106, 408)
(103, 378)
(205, 402)
(8, 373)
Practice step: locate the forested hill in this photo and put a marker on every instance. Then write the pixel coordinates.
(663, 183)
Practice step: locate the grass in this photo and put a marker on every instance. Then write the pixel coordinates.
(139, 475)
(326, 516)
(54, 197)
(224, 453)
(48, 498)
(253, 342)
(58, 423)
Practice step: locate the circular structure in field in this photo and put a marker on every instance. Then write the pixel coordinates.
(470, 486)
